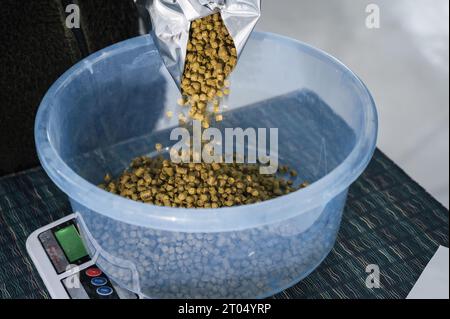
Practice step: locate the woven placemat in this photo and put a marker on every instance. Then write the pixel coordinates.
(389, 221)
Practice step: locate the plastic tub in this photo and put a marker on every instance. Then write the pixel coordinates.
(110, 108)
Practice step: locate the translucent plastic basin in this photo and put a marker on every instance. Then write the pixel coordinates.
(111, 107)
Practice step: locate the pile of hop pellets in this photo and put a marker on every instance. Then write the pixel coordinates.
(160, 182)
(210, 59)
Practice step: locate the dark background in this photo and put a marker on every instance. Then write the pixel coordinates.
(36, 48)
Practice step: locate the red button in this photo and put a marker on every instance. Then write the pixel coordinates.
(93, 272)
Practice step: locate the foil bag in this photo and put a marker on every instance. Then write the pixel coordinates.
(171, 21)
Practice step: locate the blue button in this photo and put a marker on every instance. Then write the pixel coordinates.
(104, 291)
(99, 281)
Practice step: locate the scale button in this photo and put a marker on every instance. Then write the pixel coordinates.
(93, 272)
(99, 281)
(104, 291)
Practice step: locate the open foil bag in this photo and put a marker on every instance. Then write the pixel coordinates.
(171, 22)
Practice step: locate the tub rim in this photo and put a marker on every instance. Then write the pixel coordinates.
(316, 196)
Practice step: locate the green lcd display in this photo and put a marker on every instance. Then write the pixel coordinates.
(71, 243)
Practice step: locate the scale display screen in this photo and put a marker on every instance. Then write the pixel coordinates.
(71, 243)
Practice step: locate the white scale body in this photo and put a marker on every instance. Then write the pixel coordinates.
(65, 267)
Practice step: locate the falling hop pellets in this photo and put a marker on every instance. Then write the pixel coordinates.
(211, 57)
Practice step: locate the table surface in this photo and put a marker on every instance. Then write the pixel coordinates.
(389, 221)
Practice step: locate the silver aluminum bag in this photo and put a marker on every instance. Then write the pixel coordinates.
(171, 21)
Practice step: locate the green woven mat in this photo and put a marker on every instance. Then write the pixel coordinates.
(389, 221)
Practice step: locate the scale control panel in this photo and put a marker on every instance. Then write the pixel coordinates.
(90, 283)
(65, 266)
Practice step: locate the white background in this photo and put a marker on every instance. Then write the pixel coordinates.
(405, 64)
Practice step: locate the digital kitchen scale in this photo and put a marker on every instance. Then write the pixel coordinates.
(65, 266)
